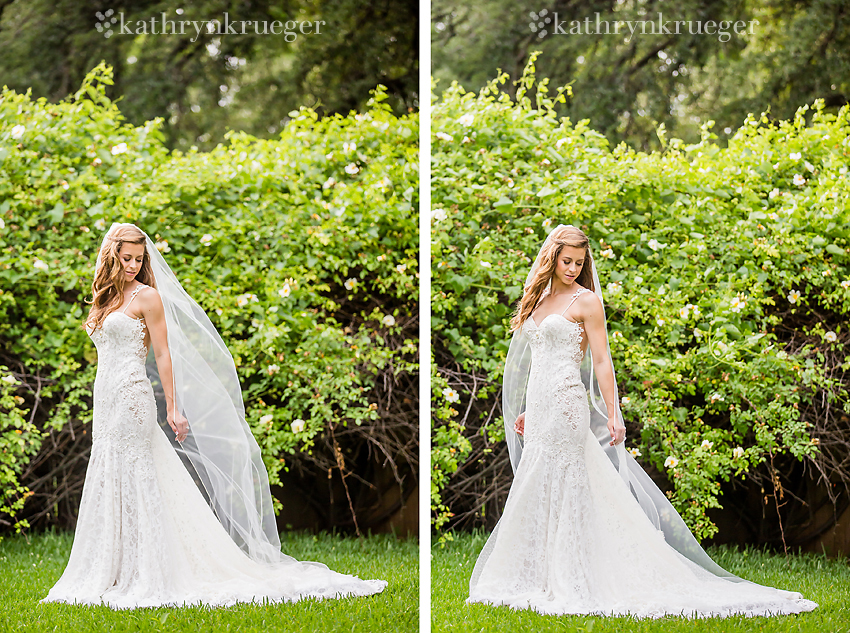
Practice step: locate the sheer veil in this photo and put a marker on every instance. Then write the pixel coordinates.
(653, 502)
(220, 451)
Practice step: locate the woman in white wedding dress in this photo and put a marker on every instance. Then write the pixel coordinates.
(146, 535)
(585, 532)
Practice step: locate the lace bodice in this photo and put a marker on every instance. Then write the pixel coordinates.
(120, 337)
(556, 401)
(121, 383)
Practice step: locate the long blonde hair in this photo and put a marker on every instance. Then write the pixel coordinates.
(109, 280)
(537, 285)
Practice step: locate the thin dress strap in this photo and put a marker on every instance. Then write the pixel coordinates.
(574, 297)
(133, 296)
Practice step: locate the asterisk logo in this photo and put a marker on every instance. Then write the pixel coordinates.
(105, 22)
(539, 22)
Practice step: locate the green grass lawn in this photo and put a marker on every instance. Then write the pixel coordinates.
(826, 581)
(29, 569)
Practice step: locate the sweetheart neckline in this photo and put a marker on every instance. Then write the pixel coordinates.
(125, 314)
(531, 318)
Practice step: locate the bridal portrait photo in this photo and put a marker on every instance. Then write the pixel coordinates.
(640, 283)
(209, 305)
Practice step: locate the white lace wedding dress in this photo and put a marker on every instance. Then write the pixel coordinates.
(145, 535)
(572, 539)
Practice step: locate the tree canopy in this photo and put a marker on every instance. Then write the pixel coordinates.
(203, 83)
(789, 54)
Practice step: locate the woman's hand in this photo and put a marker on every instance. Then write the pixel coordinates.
(519, 425)
(617, 430)
(178, 424)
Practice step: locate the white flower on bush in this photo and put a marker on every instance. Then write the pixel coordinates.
(795, 155)
(560, 142)
(388, 320)
(687, 310)
(845, 284)
(207, 239)
(608, 253)
(773, 216)
(625, 400)
(328, 183)
(706, 444)
(635, 452)
(401, 268)
(119, 149)
(163, 247)
(737, 452)
(782, 354)
(242, 300)
(614, 287)
(715, 397)
(219, 311)
(2, 224)
(349, 147)
(739, 302)
(773, 194)
(466, 139)
(451, 395)
(350, 284)
(273, 369)
(809, 166)
(799, 180)
(660, 322)
(486, 264)
(100, 224)
(655, 244)
(381, 258)
(697, 333)
(285, 291)
(831, 337)
(351, 169)
(266, 419)
(466, 120)
(298, 425)
(794, 296)
(547, 223)
(96, 162)
(18, 132)
(40, 265)
(616, 334)
(9, 379)
(438, 215)
(671, 462)
(444, 137)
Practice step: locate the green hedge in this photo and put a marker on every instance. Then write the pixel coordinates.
(726, 277)
(302, 249)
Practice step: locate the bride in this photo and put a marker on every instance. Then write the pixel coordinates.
(584, 529)
(192, 523)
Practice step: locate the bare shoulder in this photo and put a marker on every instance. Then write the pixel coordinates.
(589, 305)
(149, 299)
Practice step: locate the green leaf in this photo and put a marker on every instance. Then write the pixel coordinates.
(56, 213)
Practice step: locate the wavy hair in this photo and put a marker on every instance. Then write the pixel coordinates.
(542, 276)
(109, 280)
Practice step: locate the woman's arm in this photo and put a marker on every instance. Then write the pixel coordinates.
(150, 306)
(594, 326)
